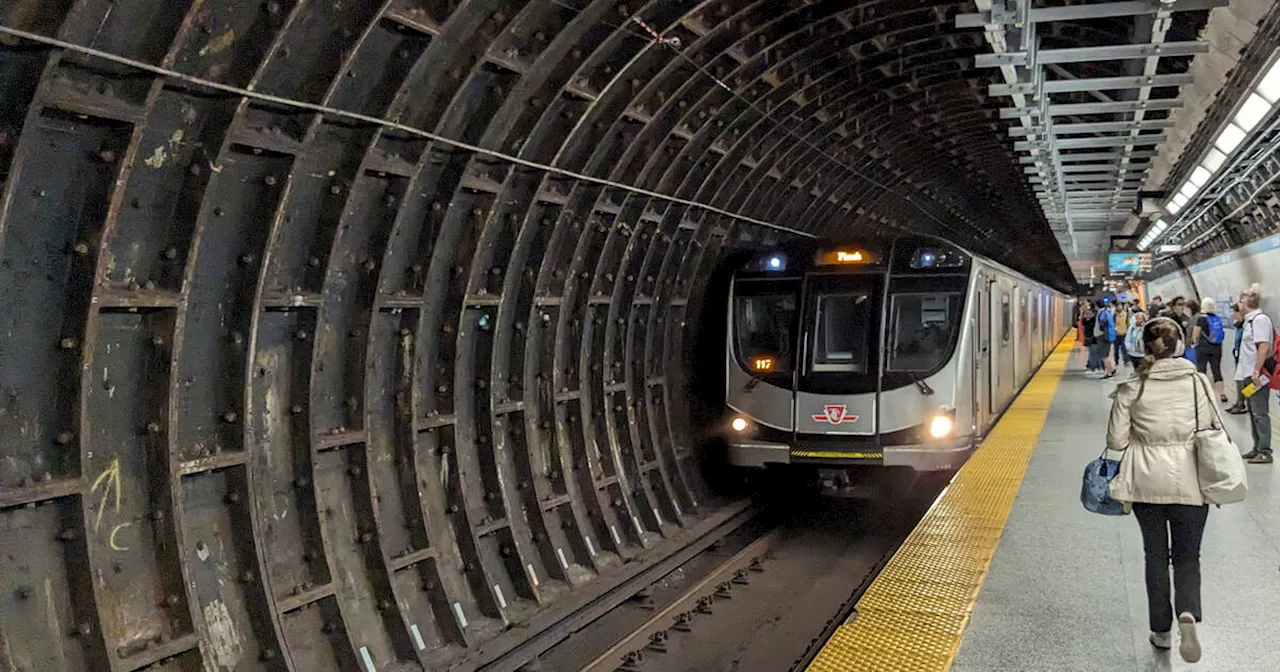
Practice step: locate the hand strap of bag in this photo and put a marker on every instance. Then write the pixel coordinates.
(1196, 384)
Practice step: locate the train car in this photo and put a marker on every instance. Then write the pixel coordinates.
(901, 354)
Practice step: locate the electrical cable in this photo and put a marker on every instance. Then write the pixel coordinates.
(385, 123)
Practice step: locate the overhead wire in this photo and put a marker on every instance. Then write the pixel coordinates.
(385, 123)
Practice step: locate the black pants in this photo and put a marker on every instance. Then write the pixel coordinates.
(1184, 524)
(1209, 360)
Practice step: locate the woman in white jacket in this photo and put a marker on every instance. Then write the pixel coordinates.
(1153, 419)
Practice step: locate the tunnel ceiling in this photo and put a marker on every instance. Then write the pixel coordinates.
(355, 334)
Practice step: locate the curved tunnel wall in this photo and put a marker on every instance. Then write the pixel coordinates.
(351, 334)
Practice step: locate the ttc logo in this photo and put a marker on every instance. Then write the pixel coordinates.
(834, 414)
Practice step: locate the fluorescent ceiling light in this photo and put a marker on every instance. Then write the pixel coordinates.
(1255, 108)
(1188, 190)
(1161, 225)
(1229, 139)
(1179, 199)
(1173, 207)
(1142, 246)
(1214, 159)
(1269, 87)
(1199, 176)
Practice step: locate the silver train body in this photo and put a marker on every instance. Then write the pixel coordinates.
(900, 356)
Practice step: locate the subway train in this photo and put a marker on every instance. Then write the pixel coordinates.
(902, 353)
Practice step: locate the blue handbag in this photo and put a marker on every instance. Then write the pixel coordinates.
(1095, 492)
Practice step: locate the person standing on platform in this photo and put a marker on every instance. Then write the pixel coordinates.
(1237, 319)
(1255, 347)
(1208, 334)
(1122, 330)
(1089, 319)
(1152, 424)
(1133, 340)
(1104, 334)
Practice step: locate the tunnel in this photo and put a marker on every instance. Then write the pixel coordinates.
(362, 334)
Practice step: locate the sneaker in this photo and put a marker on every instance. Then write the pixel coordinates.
(1249, 455)
(1260, 458)
(1162, 640)
(1237, 410)
(1189, 648)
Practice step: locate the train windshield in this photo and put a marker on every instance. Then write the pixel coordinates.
(923, 327)
(763, 317)
(844, 322)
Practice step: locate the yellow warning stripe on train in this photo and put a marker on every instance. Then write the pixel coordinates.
(913, 615)
(837, 454)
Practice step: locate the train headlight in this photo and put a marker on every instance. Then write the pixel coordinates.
(940, 426)
(739, 424)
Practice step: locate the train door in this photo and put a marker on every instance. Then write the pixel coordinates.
(982, 408)
(837, 387)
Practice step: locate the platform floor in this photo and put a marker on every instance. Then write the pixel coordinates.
(1065, 589)
(1008, 571)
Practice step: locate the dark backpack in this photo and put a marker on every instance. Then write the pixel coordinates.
(1216, 333)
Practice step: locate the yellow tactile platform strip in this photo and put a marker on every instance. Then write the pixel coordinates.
(913, 615)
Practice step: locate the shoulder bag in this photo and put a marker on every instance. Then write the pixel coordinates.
(1095, 490)
(1219, 465)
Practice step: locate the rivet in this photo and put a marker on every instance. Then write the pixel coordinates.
(67, 343)
(64, 437)
(229, 416)
(233, 497)
(153, 427)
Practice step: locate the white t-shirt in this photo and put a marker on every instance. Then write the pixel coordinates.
(1257, 329)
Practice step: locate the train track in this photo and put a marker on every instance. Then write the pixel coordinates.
(765, 596)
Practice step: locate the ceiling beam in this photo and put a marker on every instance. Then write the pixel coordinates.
(1119, 52)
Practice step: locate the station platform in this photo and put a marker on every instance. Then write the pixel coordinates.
(1007, 571)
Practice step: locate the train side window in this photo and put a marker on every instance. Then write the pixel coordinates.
(923, 328)
(841, 342)
(1006, 318)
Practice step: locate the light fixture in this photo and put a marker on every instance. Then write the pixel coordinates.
(1174, 207)
(1199, 176)
(739, 424)
(1179, 200)
(1229, 139)
(1254, 110)
(1269, 87)
(775, 263)
(1188, 190)
(940, 426)
(1213, 160)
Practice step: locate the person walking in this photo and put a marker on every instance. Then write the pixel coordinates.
(1255, 347)
(1207, 334)
(1154, 416)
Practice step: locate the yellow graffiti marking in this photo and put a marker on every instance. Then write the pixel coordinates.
(111, 539)
(108, 476)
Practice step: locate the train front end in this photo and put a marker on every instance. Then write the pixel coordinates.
(851, 356)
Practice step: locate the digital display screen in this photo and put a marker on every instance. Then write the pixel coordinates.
(1124, 262)
(846, 256)
(762, 364)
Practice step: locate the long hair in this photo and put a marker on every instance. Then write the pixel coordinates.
(1160, 338)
